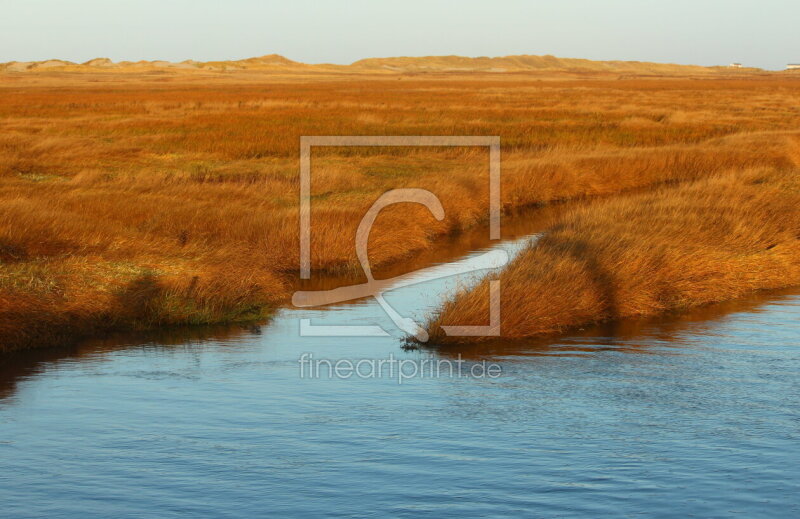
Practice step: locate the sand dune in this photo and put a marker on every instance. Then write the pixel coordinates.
(524, 63)
(396, 65)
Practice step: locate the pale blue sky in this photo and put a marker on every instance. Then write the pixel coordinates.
(763, 33)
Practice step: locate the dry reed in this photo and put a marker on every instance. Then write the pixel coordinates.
(712, 240)
(137, 200)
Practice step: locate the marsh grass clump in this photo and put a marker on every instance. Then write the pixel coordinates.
(715, 239)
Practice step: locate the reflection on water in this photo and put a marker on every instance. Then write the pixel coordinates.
(655, 335)
(693, 414)
(23, 364)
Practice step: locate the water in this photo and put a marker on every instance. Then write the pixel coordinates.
(692, 415)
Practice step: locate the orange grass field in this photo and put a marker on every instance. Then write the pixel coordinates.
(141, 200)
(710, 240)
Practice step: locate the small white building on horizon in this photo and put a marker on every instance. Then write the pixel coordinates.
(793, 66)
(735, 65)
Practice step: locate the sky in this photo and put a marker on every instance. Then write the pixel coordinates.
(762, 33)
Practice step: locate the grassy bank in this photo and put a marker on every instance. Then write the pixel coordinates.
(139, 201)
(667, 250)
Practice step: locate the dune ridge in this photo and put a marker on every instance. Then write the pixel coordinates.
(392, 65)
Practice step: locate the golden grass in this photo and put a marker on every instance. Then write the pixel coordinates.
(674, 248)
(147, 200)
